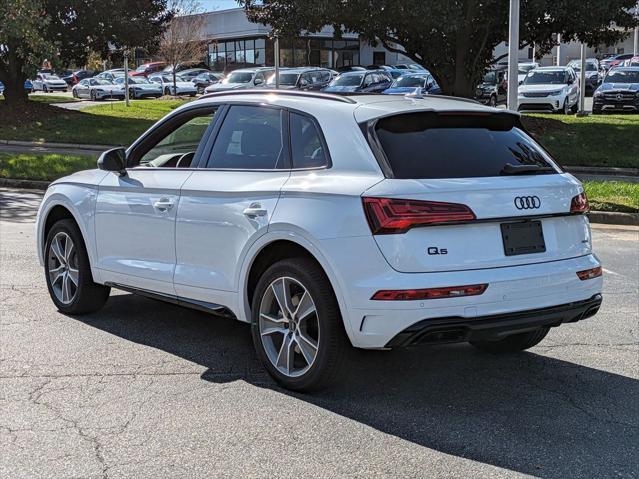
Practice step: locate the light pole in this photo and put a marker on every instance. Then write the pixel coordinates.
(582, 82)
(559, 49)
(513, 54)
(277, 62)
(126, 79)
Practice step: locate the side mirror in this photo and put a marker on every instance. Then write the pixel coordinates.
(113, 160)
(258, 81)
(570, 81)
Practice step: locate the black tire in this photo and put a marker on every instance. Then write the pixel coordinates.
(132, 93)
(88, 296)
(493, 101)
(333, 344)
(575, 108)
(513, 343)
(167, 91)
(92, 95)
(74, 93)
(45, 89)
(566, 109)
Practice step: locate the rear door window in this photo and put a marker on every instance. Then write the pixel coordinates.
(434, 145)
(251, 138)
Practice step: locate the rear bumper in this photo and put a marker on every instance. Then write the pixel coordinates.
(457, 329)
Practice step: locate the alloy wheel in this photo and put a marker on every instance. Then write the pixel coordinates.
(62, 265)
(289, 326)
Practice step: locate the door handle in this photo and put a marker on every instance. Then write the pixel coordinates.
(255, 210)
(163, 204)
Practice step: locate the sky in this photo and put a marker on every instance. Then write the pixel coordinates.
(210, 5)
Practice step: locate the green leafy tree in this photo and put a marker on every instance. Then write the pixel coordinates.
(454, 39)
(69, 30)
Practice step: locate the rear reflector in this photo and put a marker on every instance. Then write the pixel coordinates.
(430, 293)
(579, 204)
(392, 216)
(590, 273)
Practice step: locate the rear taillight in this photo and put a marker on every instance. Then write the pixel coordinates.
(579, 204)
(430, 293)
(391, 216)
(590, 273)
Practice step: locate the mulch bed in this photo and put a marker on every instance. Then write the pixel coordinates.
(31, 111)
(542, 126)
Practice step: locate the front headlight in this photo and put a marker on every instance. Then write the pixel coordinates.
(555, 93)
(598, 93)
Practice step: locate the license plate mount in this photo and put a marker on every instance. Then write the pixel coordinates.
(523, 237)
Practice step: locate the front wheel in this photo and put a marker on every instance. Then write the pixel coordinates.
(566, 108)
(297, 326)
(68, 272)
(167, 91)
(513, 343)
(493, 101)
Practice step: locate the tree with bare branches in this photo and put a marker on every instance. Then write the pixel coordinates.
(183, 40)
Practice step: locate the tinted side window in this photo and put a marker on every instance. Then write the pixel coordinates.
(307, 149)
(250, 139)
(429, 145)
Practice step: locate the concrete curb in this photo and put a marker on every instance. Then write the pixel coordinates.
(76, 146)
(607, 171)
(614, 218)
(602, 217)
(24, 184)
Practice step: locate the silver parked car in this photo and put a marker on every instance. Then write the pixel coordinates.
(47, 82)
(97, 89)
(141, 87)
(243, 79)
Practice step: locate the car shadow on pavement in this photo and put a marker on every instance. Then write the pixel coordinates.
(528, 412)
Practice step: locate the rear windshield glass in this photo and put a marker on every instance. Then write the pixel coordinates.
(432, 145)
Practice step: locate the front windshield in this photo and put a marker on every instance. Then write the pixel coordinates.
(103, 82)
(287, 79)
(409, 81)
(620, 76)
(537, 77)
(348, 80)
(490, 77)
(576, 65)
(169, 78)
(523, 69)
(50, 77)
(141, 68)
(240, 77)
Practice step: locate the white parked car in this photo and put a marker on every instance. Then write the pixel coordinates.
(140, 87)
(181, 86)
(48, 82)
(327, 221)
(97, 89)
(244, 79)
(553, 89)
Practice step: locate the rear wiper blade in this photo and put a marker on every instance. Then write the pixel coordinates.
(510, 169)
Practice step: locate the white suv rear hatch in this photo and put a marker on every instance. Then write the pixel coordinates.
(470, 191)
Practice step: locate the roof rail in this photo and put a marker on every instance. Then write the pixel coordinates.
(323, 96)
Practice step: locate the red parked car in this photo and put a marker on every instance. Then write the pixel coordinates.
(148, 68)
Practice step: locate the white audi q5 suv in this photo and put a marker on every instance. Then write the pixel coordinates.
(328, 221)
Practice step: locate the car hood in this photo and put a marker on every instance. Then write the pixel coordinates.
(486, 86)
(146, 86)
(540, 88)
(401, 90)
(226, 86)
(619, 87)
(55, 82)
(344, 88)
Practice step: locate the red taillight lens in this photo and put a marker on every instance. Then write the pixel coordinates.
(430, 293)
(579, 204)
(391, 216)
(590, 273)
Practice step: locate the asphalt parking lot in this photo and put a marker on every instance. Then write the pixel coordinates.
(145, 389)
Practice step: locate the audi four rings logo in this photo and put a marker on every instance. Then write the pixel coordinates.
(527, 202)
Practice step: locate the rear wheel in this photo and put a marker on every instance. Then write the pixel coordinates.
(513, 343)
(68, 272)
(297, 327)
(45, 89)
(92, 95)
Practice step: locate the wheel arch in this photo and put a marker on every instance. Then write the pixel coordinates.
(273, 247)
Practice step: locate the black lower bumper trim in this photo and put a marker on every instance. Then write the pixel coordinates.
(456, 329)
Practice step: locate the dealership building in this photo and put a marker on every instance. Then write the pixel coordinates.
(235, 42)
